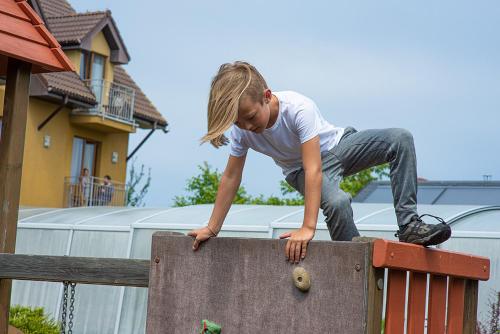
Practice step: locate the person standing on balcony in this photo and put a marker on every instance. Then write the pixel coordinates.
(83, 188)
(106, 191)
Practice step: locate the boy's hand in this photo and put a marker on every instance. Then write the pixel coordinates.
(296, 246)
(200, 235)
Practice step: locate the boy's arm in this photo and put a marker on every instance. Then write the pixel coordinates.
(229, 184)
(311, 160)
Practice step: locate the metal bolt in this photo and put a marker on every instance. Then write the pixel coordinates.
(485, 268)
(392, 254)
(380, 284)
(157, 259)
(357, 267)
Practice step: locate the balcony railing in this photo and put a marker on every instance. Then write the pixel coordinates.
(92, 191)
(115, 101)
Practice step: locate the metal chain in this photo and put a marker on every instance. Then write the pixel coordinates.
(71, 308)
(64, 302)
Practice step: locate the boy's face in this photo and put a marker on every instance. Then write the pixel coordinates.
(254, 116)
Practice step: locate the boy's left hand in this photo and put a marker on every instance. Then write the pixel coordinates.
(296, 246)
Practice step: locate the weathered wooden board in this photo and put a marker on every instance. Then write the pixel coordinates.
(246, 286)
(87, 270)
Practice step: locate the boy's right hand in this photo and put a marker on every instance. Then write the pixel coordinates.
(200, 235)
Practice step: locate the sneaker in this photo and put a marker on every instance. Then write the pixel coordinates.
(420, 233)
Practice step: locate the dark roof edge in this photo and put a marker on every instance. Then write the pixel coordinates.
(40, 88)
(363, 194)
(155, 124)
(119, 52)
(447, 183)
(36, 6)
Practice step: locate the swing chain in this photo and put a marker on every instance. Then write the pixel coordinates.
(65, 309)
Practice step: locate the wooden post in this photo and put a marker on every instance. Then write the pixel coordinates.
(11, 163)
(375, 296)
(470, 307)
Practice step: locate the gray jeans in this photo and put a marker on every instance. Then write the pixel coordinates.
(355, 152)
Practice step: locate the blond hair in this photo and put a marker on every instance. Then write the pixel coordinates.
(231, 82)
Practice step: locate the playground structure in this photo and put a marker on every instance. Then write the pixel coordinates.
(347, 278)
(246, 285)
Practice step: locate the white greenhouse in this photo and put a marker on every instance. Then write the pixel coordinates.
(126, 233)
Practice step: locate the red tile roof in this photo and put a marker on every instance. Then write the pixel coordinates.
(24, 36)
(68, 83)
(56, 8)
(69, 28)
(72, 29)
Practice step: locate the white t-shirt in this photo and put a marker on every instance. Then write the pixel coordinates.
(299, 120)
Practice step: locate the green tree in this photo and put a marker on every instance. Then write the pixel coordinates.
(137, 188)
(203, 188)
(354, 183)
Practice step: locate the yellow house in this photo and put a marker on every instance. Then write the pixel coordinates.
(78, 127)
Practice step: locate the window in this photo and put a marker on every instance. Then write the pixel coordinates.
(83, 156)
(92, 65)
(84, 65)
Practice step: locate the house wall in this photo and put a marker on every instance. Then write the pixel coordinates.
(44, 169)
(100, 45)
(74, 56)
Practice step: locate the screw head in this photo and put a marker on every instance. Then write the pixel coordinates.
(357, 267)
(380, 284)
(157, 259)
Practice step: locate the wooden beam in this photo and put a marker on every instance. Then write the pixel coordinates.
(86, 270)
(403, 256)
(11, 163)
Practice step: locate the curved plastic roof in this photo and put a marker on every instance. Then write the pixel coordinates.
(370, 216)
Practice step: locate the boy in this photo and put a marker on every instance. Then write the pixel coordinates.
(314, 156)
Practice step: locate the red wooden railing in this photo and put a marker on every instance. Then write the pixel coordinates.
(452, 279)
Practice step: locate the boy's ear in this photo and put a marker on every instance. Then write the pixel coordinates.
(267, 95)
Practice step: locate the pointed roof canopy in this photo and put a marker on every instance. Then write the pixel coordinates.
(23, 36)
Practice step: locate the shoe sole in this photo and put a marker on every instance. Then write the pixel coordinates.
(434, 239)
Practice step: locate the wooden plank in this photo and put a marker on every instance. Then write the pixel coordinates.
(11, 8)
(437, 305)
(375, 296)
(251, 278)
(416, 302)
(33, 16)
(404, 256)
(29, 52)
(22, 29)
(395, 304)
(49, 38)
(456, 293)
(87, 270)
(15, 113)
(470, 307)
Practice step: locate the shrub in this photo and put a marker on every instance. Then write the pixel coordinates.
(32, 321)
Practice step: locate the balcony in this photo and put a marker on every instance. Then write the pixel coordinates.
(93, 191)
(114, 111)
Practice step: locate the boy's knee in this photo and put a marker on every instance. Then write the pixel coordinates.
(341, 201)
(403, 136)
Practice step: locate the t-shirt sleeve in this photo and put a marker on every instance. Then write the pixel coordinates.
(238, 146)
(307, 122)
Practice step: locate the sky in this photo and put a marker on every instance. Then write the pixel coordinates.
(432, 67)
